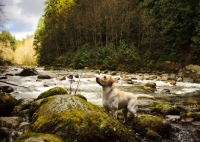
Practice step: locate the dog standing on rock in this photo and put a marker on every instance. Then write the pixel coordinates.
(113, 99)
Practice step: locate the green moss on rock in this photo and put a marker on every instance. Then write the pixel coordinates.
(52, 92)
(195, 115)
(7, 103)
(151, 126)
(74, 119)
(165, 109)
(27, 137)
(82, 97)
(153, 136)
(151, 85)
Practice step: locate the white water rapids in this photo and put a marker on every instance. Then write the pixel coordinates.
(88, 87)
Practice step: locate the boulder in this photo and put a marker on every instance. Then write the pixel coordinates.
(165, 109)
(38, 137)
(150, 87)
(195, 115)
(43, 76)
(192, 72)
(7, 103)
(6, 89)
(28, 72)
(52, 91)
(22, 107)
(10, 122)
(74, 119)
(5, 134)
(152, 127)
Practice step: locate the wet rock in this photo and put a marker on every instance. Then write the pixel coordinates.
(34, 107)
(152, 77)
(179, 79)
(165, 109)
(7, 103)
(38, 137)
(195, 115)
(3, 77)
(197, 123)
(5, 134)
(165, 91)
(61, 78)
(28, 72)
(172, 82)
(43, 76)
(172, 118)
(22, 107)
(152, 127)
(184, 132)
(172, 77)
(192, 72)
(164, 77)
(87, 76)
(10, 122)
(74, 119)
(70, 77)
(52, 92)
(6, 89)
(150, 87)
(25, 127)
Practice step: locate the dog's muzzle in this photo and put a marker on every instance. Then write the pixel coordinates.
(97, 80)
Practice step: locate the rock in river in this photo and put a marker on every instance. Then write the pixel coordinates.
(74, 119)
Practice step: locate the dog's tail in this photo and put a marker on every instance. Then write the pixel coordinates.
(144, 96)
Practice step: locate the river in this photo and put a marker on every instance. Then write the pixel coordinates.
(183, 94)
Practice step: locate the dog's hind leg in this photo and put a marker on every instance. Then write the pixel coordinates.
(132, 105)
(114, 113)
(124, 112)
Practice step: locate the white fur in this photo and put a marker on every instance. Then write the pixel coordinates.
(113, 99)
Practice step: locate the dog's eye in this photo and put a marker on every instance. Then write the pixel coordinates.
(104, 77)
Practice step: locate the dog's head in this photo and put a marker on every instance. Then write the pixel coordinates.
(105, 80)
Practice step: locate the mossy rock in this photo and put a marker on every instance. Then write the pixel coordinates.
(151, 85)
(165, 109)
(82, 97)
(152, 136)
(152, 127)
(36, 137)
(52, 92)
(7, 103)
(195, 115)
(74, 119)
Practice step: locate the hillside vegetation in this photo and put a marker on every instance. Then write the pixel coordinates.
(14, 51)
(119, 34)
(25, 53)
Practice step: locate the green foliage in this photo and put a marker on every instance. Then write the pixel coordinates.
(118, 34)
(7, 39)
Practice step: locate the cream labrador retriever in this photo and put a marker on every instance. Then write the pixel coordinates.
(113, 99)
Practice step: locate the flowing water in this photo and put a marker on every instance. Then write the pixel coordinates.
(184, 94)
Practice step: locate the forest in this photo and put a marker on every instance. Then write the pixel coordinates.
(16, 52)
(118, 34)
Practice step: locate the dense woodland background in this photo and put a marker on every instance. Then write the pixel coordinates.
(115, 34)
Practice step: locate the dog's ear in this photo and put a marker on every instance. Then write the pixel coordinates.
(112, 80)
